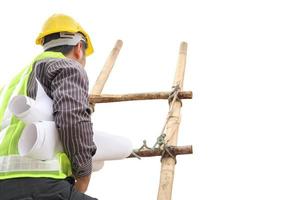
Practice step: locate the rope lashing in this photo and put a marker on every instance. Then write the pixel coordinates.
(174, 96)
(161, 143)
(144, 146)
(168, 152)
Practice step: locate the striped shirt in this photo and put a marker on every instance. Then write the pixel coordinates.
(66, 83)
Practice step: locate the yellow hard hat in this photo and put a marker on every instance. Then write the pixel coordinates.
(63, 23)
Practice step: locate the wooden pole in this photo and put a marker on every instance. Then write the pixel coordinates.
(178, 150)
(108, 98)
(168, 164)
(104, 74)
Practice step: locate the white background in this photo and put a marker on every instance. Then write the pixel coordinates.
(242, 65)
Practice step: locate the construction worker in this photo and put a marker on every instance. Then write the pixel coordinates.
(59, 73)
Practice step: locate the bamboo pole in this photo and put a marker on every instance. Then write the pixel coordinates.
(108, 98)
(174, 150)
(104, 74)
(168, 164)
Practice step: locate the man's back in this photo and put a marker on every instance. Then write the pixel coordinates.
(60, 72)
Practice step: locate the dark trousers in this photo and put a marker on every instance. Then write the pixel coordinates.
(40, 189)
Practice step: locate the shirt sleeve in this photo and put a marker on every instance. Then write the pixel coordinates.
(69, 90)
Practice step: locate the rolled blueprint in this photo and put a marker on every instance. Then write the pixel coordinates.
(111, 147)
(97, 165)
(40, 140)
(28, 110)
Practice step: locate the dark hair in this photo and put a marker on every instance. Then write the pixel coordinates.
(64, 49)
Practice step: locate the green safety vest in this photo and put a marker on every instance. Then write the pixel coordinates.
(12, 165)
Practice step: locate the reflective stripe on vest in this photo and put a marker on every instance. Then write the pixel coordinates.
(13, 165)
(17, 163)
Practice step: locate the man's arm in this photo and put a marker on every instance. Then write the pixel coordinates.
(82, 183)
(69, 89)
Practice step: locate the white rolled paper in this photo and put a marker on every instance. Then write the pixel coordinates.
(111, 147)
(97, 165)
(28, 110)
(40, 140)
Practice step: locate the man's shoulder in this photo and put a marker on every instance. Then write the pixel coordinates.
(57, 65)
(60, 62)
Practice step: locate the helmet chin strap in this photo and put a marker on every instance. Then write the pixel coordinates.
(66, 38)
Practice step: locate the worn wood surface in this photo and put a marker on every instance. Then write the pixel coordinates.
(104, 74)
(108, 98)
(168, 164)
(174, 150)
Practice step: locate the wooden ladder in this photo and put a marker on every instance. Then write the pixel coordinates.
(168, 160)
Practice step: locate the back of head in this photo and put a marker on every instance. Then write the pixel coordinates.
(60, 32)
(63, 42)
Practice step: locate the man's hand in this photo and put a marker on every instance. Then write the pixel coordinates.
(82, 183)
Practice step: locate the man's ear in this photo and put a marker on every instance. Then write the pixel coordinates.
(78, 52)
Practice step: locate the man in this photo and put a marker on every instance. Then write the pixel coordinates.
(59, 70)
